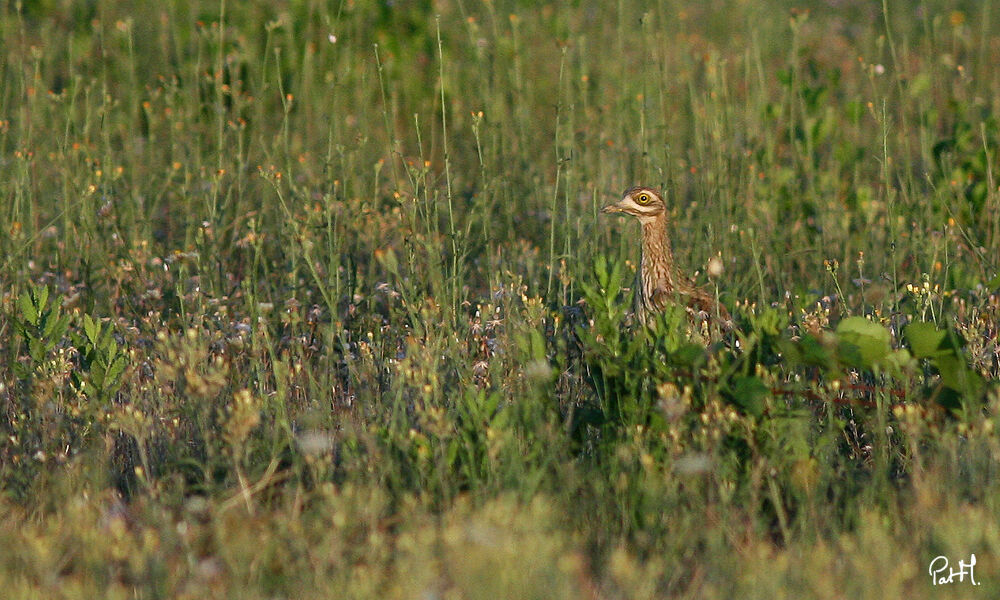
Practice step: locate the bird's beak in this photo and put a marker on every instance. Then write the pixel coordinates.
(611, 208)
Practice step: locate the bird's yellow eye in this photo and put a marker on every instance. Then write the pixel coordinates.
(642, 198)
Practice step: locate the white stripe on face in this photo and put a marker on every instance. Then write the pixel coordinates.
(645, 210)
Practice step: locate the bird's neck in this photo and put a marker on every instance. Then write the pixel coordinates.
(656, 252)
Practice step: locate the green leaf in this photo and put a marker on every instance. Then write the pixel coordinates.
(926, 340)
(949, 398)
(689, 354)
(955, 374)
(809, 350)
(55, 326)
(770, 322)
(97, 375)
(748, 393)
(669, 327)
(617, 278)
(116, 369)
(41, 297)
(609, 277)
(28, 311)
(601, 270)
(36, 350)
(863, 343)
(899, 362)
(92, 329)
(590, 293)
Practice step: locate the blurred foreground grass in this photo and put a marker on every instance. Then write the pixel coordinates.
(310, 299)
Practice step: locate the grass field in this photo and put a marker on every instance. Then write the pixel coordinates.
(314, 299)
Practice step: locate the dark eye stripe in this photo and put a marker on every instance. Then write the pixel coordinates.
(650, 211)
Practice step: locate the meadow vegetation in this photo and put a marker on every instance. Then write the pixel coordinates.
(314, 299)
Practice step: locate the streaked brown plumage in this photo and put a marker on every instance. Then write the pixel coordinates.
(658, 283)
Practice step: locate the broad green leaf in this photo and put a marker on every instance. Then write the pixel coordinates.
(925, 339)
(116, 369)
(899, 361)
(91, 328)
(55, 326)
(863, 343)
(955, 374)
(689, 354)
(949, 398)
(807, 351)
(28, 312)
(748, 393)
(97, 374)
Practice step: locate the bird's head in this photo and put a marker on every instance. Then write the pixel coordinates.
(641, 202)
